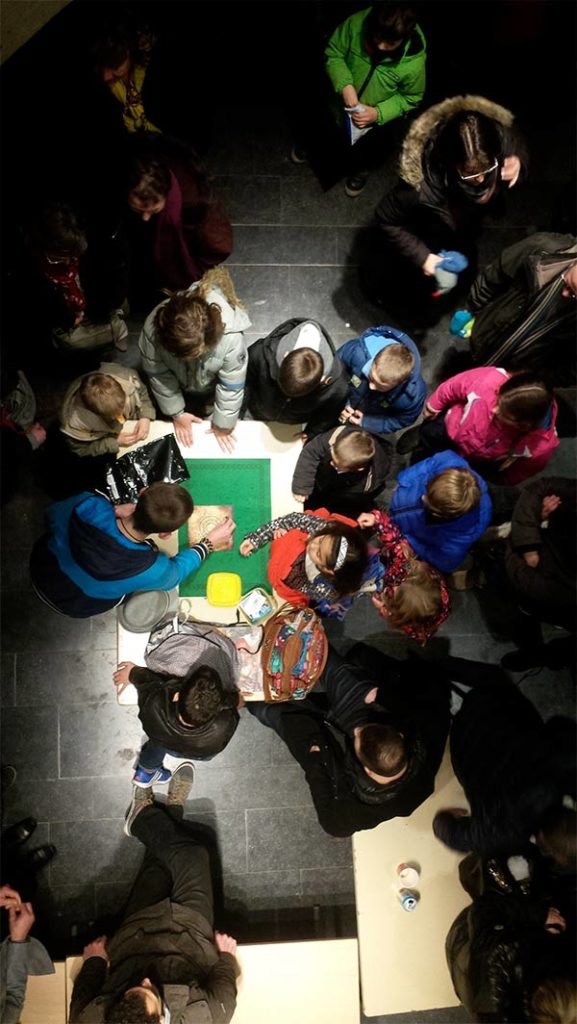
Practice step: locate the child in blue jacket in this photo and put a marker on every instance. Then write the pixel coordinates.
(386, 390)
(442, 507)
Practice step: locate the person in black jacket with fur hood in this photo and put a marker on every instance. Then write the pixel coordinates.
(457, 160)
(512, 765)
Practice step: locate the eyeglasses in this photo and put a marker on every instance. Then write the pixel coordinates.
(479, 174)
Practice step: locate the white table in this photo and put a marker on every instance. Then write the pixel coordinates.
(274, 441)
(402, 954)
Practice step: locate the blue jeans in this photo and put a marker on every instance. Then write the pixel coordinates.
(151, 756)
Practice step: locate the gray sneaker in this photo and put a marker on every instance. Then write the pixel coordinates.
(180, 784)
(140, 798)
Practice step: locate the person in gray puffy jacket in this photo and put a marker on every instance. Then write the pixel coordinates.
(194, 355)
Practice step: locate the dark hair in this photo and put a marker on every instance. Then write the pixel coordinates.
(470, 140)
(382, 749)
(389, 23)
(113, 46)
(300, 372)
(56, 230)
(162, 508)
(187, 325)
(131, 1009)
(348, 577)
(524, 399)
(556, 837)
(202, 696)
(148, 177)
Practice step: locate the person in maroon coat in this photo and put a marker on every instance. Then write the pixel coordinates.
(175, 228)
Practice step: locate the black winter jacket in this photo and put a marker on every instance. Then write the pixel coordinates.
(157, 712)
(521, 318)
(346, 799)
(512, 767)
(264, 399)
(339, 492)
(426, 211)
(498, 949)
(548, 590)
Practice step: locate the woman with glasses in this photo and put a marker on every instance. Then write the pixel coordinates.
(457, 160)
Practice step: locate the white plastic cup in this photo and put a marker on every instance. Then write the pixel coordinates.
(408, 876)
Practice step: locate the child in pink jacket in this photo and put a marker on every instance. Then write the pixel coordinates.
(502, 423)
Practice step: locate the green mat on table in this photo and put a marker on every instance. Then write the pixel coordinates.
(244, 484)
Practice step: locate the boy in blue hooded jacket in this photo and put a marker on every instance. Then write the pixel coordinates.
(442, 507)
(386, 390)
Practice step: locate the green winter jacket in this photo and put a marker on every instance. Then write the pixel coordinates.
(394, 87)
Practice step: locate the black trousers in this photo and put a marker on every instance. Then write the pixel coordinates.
(176, 865)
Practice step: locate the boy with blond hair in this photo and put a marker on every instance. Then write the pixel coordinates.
(386, 390)
(96, 408)
(442, 507)
(342, 470)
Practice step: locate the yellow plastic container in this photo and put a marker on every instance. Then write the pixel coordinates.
(223, 589)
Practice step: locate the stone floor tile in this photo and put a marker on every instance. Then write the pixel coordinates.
(98, 740)
(95, 851)
(290, 837)
(50, 800)
(65, 677)
(248, 199)
(30, 742)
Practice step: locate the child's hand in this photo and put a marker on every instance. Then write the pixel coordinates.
(300, 497)
(246, 548)
(183, 427)
(225, 438)
(428, 413)
(366, 520)
(278, 533)
(221, 537)
(121, 678)
(225, 943)
(550, 503)
(127, 437)
(430, 264)
(356, 418)
(142, 428)
(346, 414)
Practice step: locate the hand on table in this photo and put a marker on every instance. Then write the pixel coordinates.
(225, 438)
(20, 921)
(96, 948)
(183, 427)
(121, 678)
(221, 536)
(225, 943)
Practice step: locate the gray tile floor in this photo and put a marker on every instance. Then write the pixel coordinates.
(74, 747)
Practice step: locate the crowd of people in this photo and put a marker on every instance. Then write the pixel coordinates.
(371, 736)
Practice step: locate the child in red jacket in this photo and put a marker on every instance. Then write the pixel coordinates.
(318, 559)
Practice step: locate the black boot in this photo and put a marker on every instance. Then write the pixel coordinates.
(17, 834)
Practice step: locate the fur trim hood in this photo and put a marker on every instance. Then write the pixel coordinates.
(432, 120)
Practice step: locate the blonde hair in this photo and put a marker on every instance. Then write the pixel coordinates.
(452, 493)
(415, 601)
(102, 395)
(555, 1002)
(353, 450)
(393, 365)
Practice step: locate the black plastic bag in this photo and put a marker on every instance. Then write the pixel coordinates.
(158, 461)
